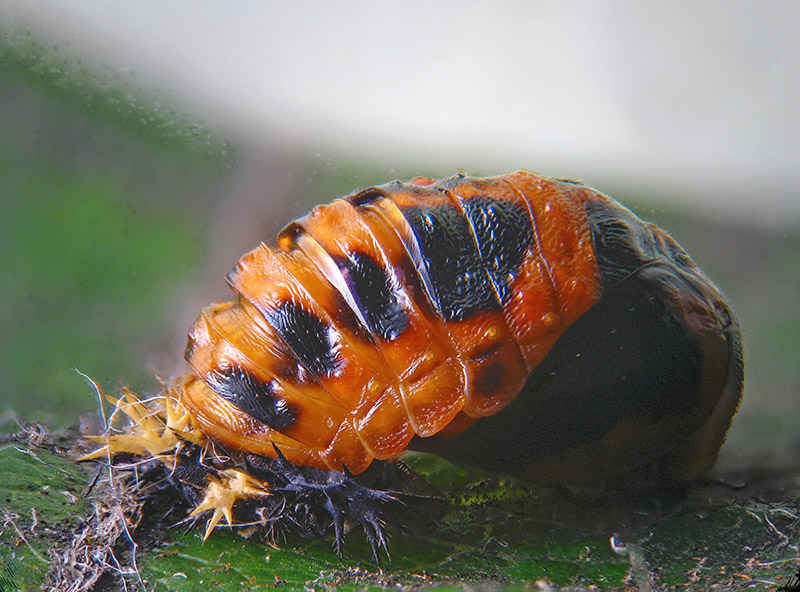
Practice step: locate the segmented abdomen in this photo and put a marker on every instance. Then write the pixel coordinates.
(402, 309)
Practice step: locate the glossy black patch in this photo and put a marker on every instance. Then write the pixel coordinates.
(622, 242)
(374, 295)
(309, 338)
(504, 232)
(366, 196)
(628, 357)
(346, 319)
(462, 286)
(254, 397)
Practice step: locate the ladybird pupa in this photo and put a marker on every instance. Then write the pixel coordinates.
(520, 323)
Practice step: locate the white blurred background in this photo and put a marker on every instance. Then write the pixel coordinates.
(690, 100)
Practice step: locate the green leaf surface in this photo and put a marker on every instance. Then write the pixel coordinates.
(502, 534)
(498, 533)
(41, 501)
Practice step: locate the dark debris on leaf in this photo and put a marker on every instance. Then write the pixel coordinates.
(307, 501)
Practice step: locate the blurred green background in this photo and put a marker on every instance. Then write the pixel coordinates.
(119, 218)
(102, 219)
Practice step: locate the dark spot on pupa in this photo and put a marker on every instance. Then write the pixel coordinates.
(366, 197)
(311, 340)
(462, 285)
(374, 295)
(254, 397)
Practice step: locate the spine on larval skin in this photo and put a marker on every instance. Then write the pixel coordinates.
(403, 310)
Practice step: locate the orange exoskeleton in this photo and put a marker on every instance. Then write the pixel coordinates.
(525, 324)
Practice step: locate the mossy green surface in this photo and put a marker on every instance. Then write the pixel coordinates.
(497, 534)
(503, 535)
(41, 500)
